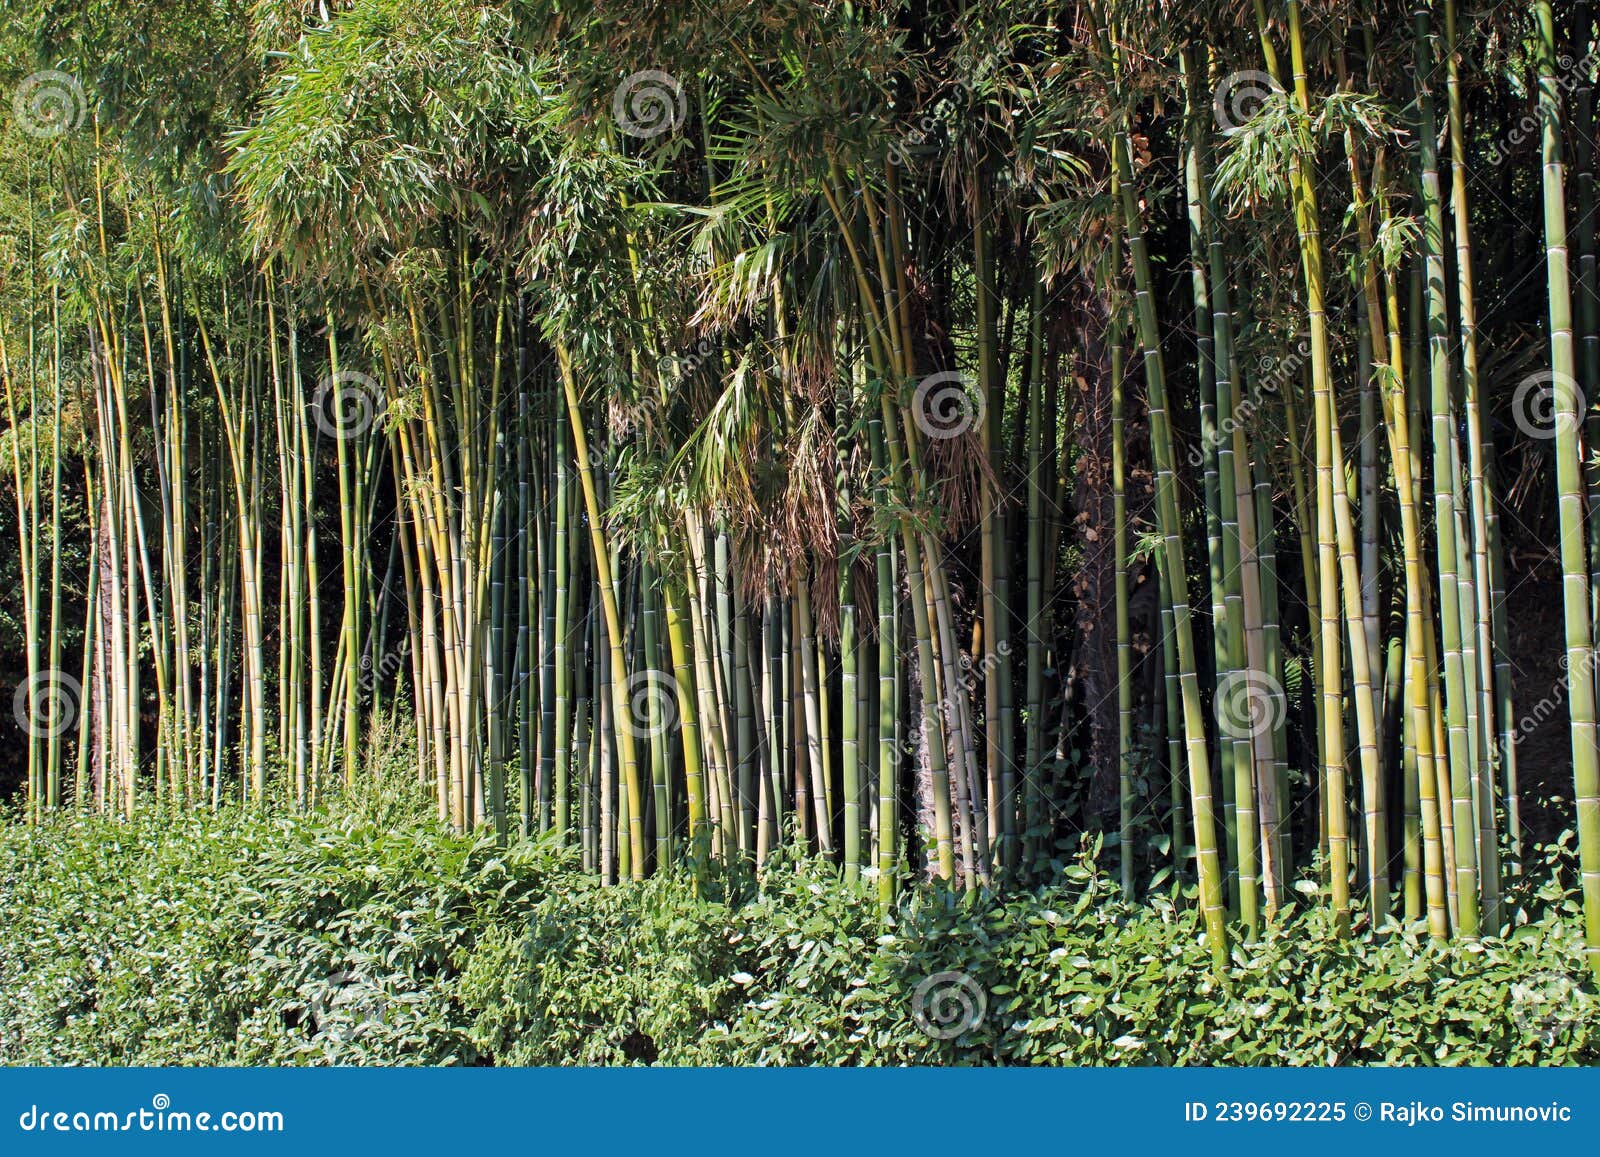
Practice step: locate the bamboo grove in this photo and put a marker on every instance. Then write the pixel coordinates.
(922, 437)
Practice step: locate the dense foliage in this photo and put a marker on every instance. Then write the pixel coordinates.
(372, 934)
(889, 446)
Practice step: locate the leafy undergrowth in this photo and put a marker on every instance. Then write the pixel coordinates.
(371, 936)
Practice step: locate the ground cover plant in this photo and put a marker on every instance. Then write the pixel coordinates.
(375, 935)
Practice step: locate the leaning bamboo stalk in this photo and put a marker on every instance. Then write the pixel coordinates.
(612, 616)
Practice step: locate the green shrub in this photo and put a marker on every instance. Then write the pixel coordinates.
(112, 952)
(366, 933)
(1069, 975)
(602, 975)
(244, 939)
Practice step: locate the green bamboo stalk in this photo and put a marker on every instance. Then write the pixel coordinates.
(1444, 481)
(1480, 496)
(1209, 867)
(1569, 484)
(1120, 563)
